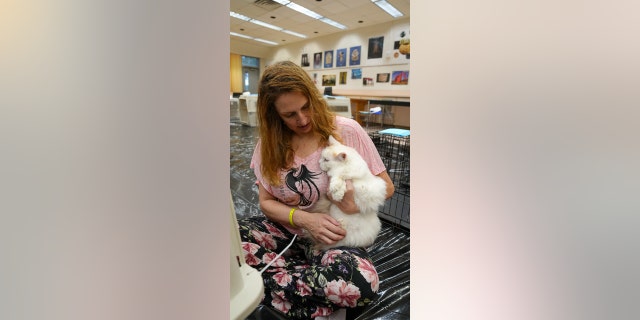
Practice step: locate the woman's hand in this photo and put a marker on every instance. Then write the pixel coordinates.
(322, 227)
(348, 204)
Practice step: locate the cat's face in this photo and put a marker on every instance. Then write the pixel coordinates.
(331, 158)
(333, 155)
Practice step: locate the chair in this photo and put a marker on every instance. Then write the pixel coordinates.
(371, 115)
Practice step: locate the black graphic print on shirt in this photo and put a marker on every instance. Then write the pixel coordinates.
(300, 181)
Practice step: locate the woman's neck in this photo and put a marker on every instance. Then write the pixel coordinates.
(304, 145)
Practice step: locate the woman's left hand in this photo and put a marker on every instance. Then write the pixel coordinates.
(348, 204)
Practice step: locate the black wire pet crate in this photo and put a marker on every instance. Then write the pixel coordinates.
(394, 148)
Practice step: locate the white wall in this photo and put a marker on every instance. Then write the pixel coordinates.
(370, 68)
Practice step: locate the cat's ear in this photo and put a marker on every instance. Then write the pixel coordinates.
(332, 140)
(342, 156)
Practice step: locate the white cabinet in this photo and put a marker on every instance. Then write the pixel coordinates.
(247, 108)
(339, 105)
(234, 111)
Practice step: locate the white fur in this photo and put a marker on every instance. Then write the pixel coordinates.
(343, 163)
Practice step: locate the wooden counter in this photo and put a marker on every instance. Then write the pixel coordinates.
(360, 100)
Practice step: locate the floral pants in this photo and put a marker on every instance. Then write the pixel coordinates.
(305, 283)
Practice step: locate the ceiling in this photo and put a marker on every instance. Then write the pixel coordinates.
(353, 14)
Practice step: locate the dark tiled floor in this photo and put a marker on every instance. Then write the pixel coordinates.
(390, 253)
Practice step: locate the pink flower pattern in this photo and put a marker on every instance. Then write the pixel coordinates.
(282, 278)
(273, 230)
(369, 273)
(308, 283)
(322, 312)
(342, 293)
(248, 247)
(252, 259)
(264, 239)
(303, 288)
(279, 302)
(329, 257)
(269, 256)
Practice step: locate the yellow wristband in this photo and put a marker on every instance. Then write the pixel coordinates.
(291, 217)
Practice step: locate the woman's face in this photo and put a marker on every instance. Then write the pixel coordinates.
(295, 112)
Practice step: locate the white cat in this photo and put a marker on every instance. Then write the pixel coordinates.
(343, 163)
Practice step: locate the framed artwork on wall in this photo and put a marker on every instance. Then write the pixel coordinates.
(382, 77)
(304, 61)
(367, 82)
(341, 57)
(375, 48)
(328, 59)
(354, 56)
(356, 73)
(400, 77)
(317, 60)
(328, 80)
(343, 77)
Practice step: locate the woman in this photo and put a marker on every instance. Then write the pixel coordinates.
(294, 126)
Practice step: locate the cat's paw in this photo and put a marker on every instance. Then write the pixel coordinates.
(337, 190)
(337, 195)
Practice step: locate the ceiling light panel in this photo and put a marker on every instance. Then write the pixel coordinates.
(239, 16)
(266, 25)
(384, 5)
(303, 10)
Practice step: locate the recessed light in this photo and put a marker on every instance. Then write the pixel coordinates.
(272, 17)
(360, 21)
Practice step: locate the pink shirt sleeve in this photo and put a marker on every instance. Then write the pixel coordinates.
(256, 161)
(355, 136)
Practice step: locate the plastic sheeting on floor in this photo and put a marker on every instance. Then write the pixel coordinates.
(390, 255)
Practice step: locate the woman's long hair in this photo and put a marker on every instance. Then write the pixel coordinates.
(276, 150)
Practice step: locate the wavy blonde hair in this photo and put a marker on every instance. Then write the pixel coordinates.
(276, 150)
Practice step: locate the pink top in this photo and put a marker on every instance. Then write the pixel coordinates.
(303, 184)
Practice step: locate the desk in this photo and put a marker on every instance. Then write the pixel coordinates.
(384, 113)
(339, 105)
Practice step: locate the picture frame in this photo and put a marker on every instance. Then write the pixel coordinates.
(382, 77)
(328, 80)
(341, 57)
(304, 60)
(356, 73)
(328, 59)
(400, 77)
(375, 48)
(343, 77)
(317, 60)
(354, 55)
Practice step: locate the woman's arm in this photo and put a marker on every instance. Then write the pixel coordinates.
(390, 187)
(322, 227)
